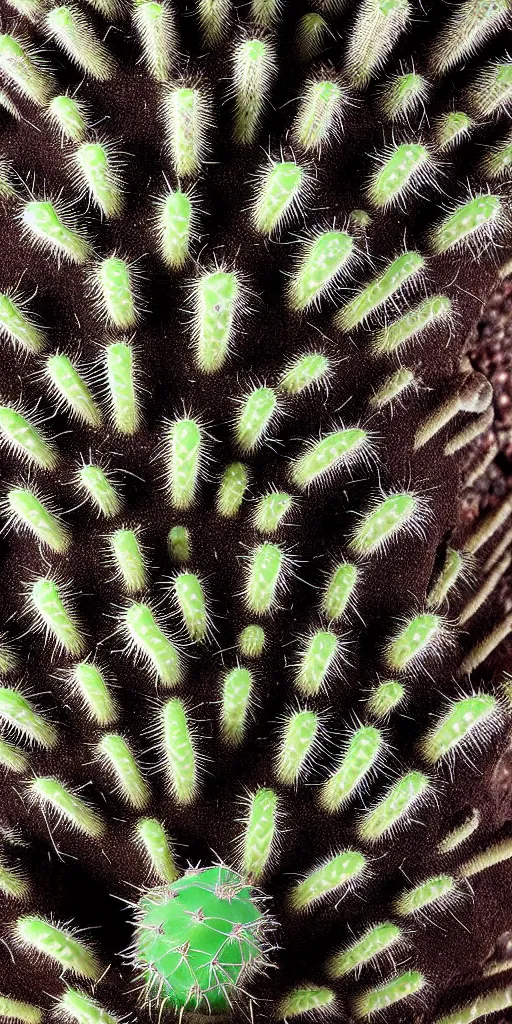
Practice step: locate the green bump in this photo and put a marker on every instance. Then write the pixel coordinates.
(129, 560)
(318, 268)
(473, 219)
(417, 637)
(69, 807)
(458, 835)
(124, 402)
(175, 228)
(387, 518)
(59, 944)
(151, 836)
(277, 195)
(376, 30)
(387, 285)
(311, 35)
(297, 743)
(18, 715)
(8, 657)
(377, 999)
(100, 177)
(466, 31)
(31, 514)
(18, 66)
(451, 128)
(304, 1000)
(317, 657)
(97, 486)
(480, 1006)
(469, 718)
(378, 939)
(403, 94)
(72, 390)
(270, 511)
(322, 458)
(191, 603)
(395, 335)
(253, 70)
(24, 439)
(360, 756)
(304, 372)
(333, 875)
(232, 488)
(179, 544)
(393, 808)
(391, 387)
(214, 17)
(57, 620)
(154, 23)
(14, 1009)
(253, 420)
(179, 753)
(399, 172)
(147, 639)
(265, 13)
(186, 120)
(81, 1008)
(74, 33)
(184, 455)
(44, 225)
(14, 760)
(385, 698)
(215, 301)
(68, 116)
(339, 590)
(424, 895)
(318, 114)
(252, 641)
(12, 883)
(88, 681)
(114, 284)
(264, 574)
(132, 787)
(497, 162)
(259, 833)
(19, 327)
(236, 696)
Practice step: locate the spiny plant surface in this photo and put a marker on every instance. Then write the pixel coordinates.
(243, 246)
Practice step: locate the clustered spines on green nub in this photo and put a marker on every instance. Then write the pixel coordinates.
(60, 801)
(54, 230)
(76, 36)
(155, 26)
(181, 763)
(376, 940)
(113, 283)
(54, 614)
(335, 874)
(358, 762)
(98, 487)
(216, 299)
(76, 1006)
(19, 324)
(254, 68)
(42, 938)
(258, 841)
(96, 167)
(71, 390)
(186, 114)
(69, 116)
(235, 706)
(149, 642)
(298, 741)
(25, 70)
(31, 512)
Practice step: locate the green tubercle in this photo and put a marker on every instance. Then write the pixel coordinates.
(122, 391)
(400, 171)
(387, 518)
(316, 658)
(31, 514)
(265, 13)
(318, 268)
(185, 447)
(113, 283)
(468, 719)
(252, 641)
(88, 681)
(318, 114)
(254, 66)
(44, 226)
(13, 760)
(339, 591)
(57, 620)
(392, 387)
(232, 488)
(451, 129)
(114, 752)
(385, 698)
(15, 1010)
(81, 1008)
(236, 697)
(74, 33)
(466, 31)
(179, 752)
(277, 195)
(214, 17)
(270, 511)
(333, 875)
(311, 35)
(403, 94)
(18, 715)
(146, 638)
(394, 807)
(25, 439)
(377, 28)
(186, 116)
(259, 834)
(471, 220)
(215, 302)
(497, 162)
(94, 481)
(99, 175)
(154, 23)
(67, 806)
(67, 115)
(386, 286)
(359, 758)
(419, 636)
(189, 595)
(378, 939)
(255, 415)
(23, 71)
(175, 228)
(304, 372)
(179, 544)
(377, 999)
(296, 744)
(458, 835)
(434, 890)
(18, 326)
(39, 936)
(129, 560)
(434, 310)
(72, 390)
(305, 1000)
(322, 458)
(150, 835)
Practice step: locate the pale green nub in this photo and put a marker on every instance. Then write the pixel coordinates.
(184, 461)
(452, 128)
(189, 595)
(252, 641)
(129, 560)
(114, 286)
(270, 511)
(394, 807)
(374, 1000)
(319, 268)
(82, 1009)
(458, 835)
(376, 940)
(264, 575)
(14, 760)
(265, 13)
(360, 757)
(311, 36)
(471, 220)
(179, 544)
(60, 945)
(254, 418)
(69, 807)
(410, 901)
(147, 639)
(174, 226)
(12, 883)
(400, 171)
(124, 402)
(318, 114)
(304, 372)
(24, 439)
(497, 162)
(31, 513)
(18, 327)
(231, 490)
(214, 17)
(215, 303)
(480, 1006)
(154, 23)
(467, 30)
(385, 698)
(322, 458)
(254, 67)
(69, 118)
(79, 41)
(304, 1000)
(391, 387)
(468, 719)
(99, 489)
(317, 657)
(395, 335)
(100, 178)
(327, 879)
(418, 637)
(130, 784)
(339, 590)
(19, 68)
(17, 714)
(72, 390)
(151, 835)
(180, 757)
(277, 194)
(186, 120)
(296, 745)
(14, 1009)
(88, 681)
(236, 696)
(8, 657)
(58, 621)
(44, 225)
(259, 833)
(402, 95)
(378, 26)
(401, 271)
(383, 522)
